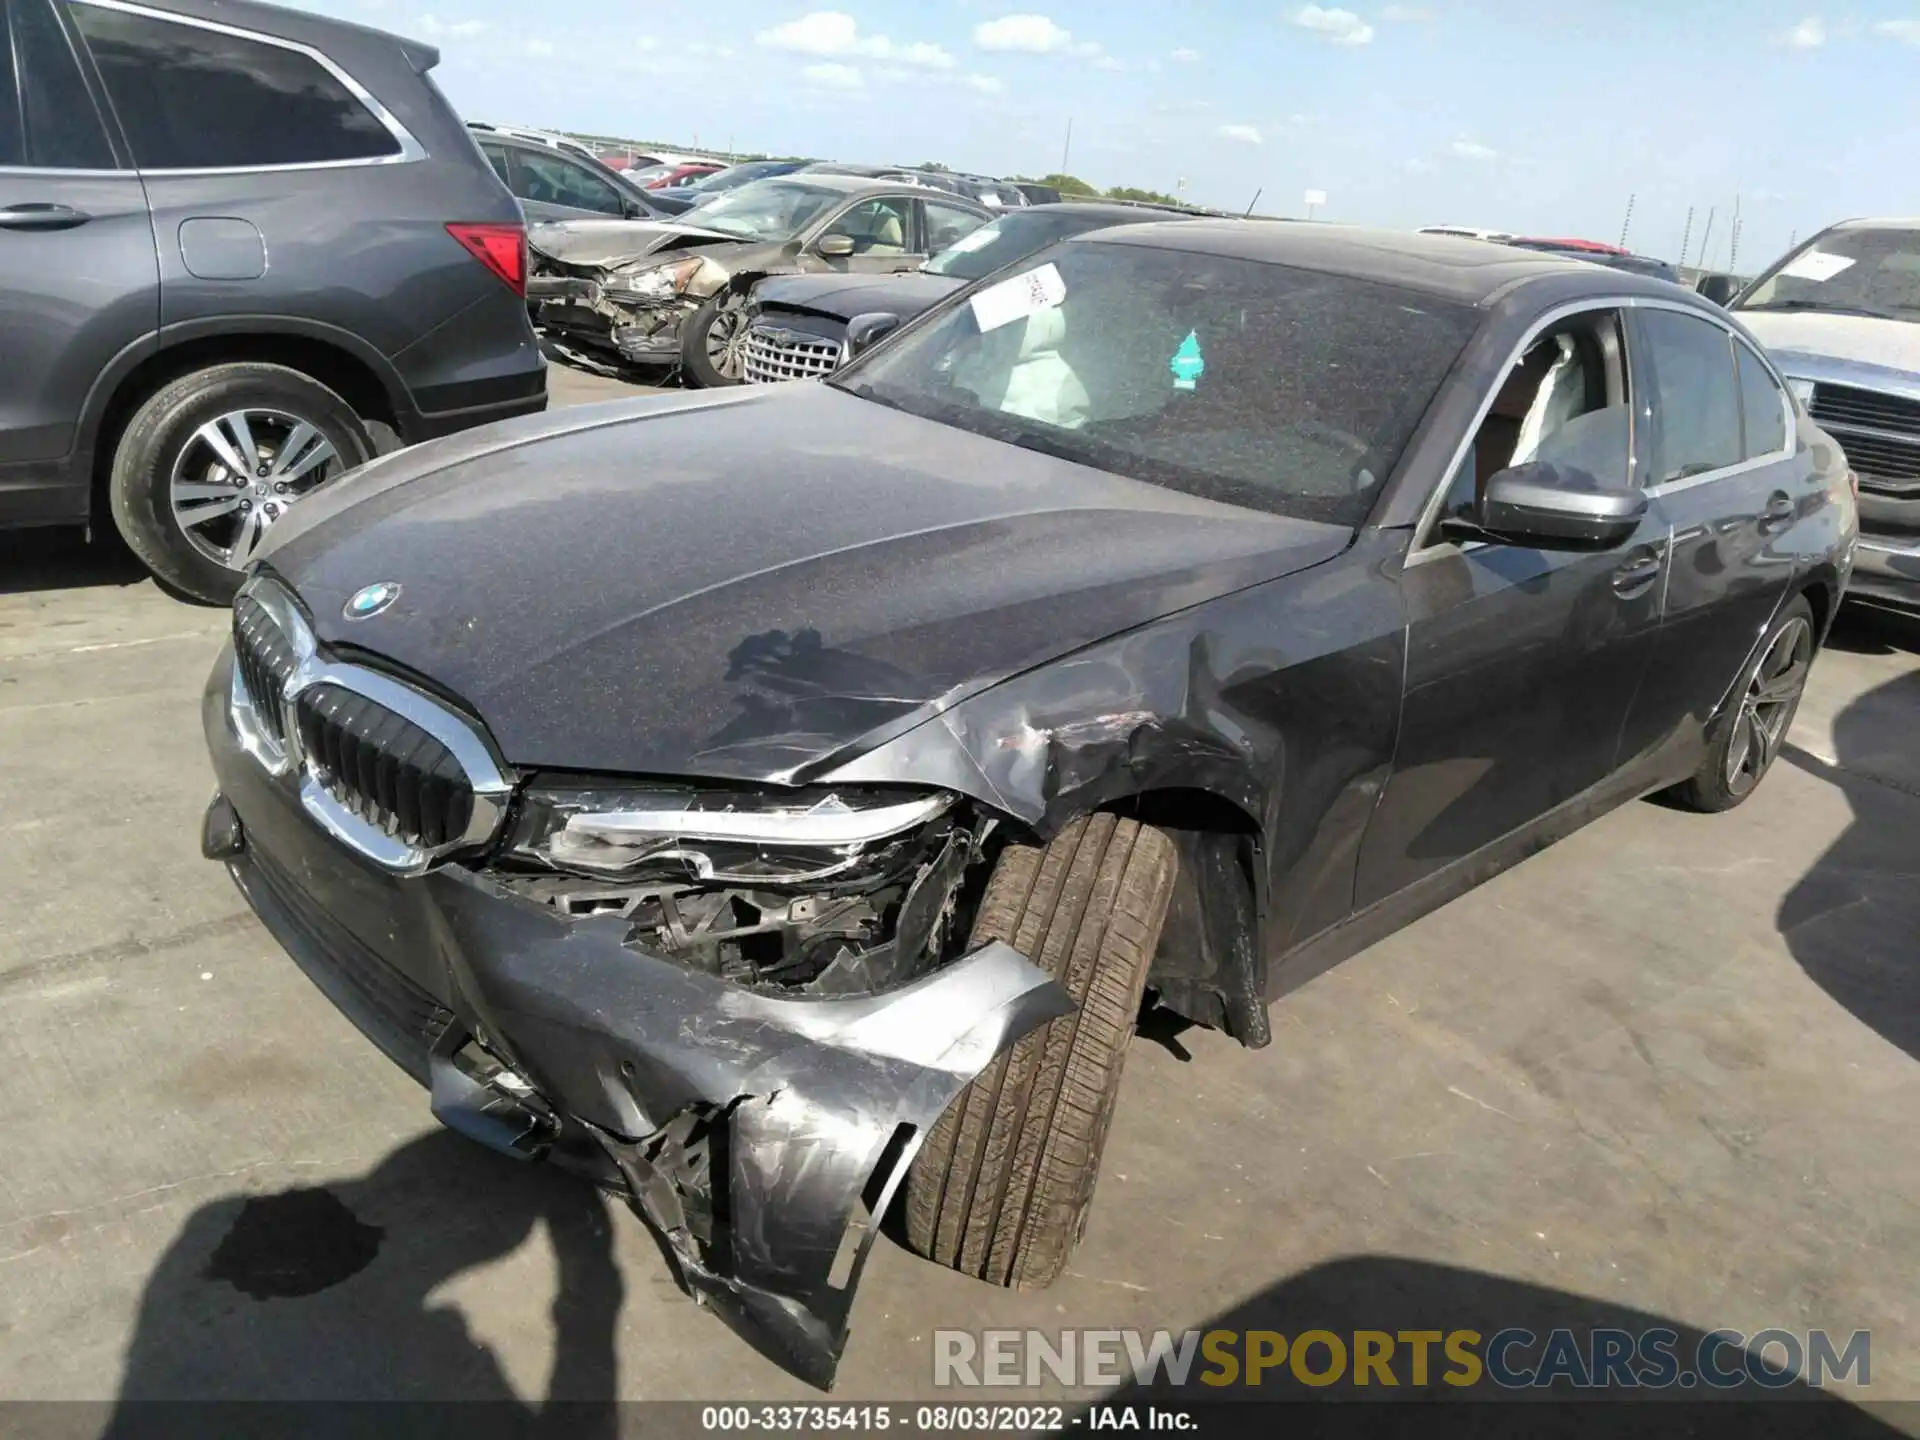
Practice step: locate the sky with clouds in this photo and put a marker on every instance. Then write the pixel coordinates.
(1541, 116)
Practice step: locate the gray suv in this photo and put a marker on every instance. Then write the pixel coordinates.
(241, 250)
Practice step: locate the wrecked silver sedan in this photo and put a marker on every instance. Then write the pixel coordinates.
(673, 293)
(778, 801)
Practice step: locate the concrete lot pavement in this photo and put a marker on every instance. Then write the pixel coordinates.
(1668, 1068)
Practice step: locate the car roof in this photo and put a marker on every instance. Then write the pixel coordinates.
(1118, 214)
(1872, 223)
(1474, 272)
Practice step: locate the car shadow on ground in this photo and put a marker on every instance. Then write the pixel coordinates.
(64, 558)
(328, 1294)
(1852, 920)
(1391, 1296)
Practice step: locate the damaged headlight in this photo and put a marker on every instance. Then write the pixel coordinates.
(724, 836)
(662, 282)
(840, 891)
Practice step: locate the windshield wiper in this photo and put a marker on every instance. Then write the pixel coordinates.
(1828, 306)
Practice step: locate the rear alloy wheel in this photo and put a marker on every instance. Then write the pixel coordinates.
(713, 343)
(212, 462)
(1748, 737)
(1002, 1186)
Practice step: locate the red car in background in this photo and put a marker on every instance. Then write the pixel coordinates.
(659, 177)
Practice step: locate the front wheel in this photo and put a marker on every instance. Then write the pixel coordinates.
(212, 461)
(1744, 742)
(1002, 1186)
(713, 343)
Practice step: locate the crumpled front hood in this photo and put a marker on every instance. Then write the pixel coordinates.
(1862, 339)
(753, 584)
(845, 296)
(608, 243)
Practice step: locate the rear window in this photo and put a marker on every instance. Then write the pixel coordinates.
(196, 99)
(1248, 383)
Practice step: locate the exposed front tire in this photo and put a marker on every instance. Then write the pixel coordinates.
(712, 342)
(1002, 1185)
(1744, 742)
(212, 461)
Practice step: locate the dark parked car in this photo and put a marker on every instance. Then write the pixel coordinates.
(674, 292)
(794, 807)
(1840, 315)
(675, 199)
(797, 324)
(554, 182)
(237, 243)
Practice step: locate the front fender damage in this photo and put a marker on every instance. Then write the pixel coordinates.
(762, 1137)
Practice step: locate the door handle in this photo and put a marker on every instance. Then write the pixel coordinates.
(38, 216)
(1633, 577)
(1778, 514)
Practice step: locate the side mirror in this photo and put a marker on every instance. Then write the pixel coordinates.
(1557, 507)
(1718, 288)
(633, 209)
(866, 331)
(835, 247)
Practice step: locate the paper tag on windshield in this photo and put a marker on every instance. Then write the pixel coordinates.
(1816, 265)
(1016, 299)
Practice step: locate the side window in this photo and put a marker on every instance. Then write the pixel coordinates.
(497, 158)
(55, 124)
(195, 99)
(877, 227)
(1697, 395)
(1564, 402)
(948, 223)
(553, 180)
(1762, 406)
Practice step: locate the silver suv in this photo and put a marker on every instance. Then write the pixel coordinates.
(1841, 315)
(242, 249)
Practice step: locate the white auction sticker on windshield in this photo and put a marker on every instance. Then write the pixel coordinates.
(1016, 299)
(1816, 265)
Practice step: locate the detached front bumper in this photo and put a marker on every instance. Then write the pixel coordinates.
(1886, 572)
(762, 1136)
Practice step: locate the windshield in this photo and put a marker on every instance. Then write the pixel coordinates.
(765, 209)
(1858, 272)
(1002, 242)
(731, 178)
(1253, 384)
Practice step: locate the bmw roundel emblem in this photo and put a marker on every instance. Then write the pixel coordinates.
(371, 600)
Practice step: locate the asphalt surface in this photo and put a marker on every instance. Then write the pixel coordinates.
(1664, 1071)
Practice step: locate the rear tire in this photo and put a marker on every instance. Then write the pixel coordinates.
(1744, 742)
(1002, 1187)
(164, 430)
(726, 314)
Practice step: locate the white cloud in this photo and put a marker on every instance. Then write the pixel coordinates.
(541, 49)
(1474, 150)
(1031, 34)
(1184, 55)
(1809, 34)
(833, 33)
(834, 76)
(434, 28)
(1418, 166)
(1184, 107)
(1907, 30)
(985, 84)
(1406, 14)
(1039, 35)
(980, 84)
(1342, 27)
(1242, 134)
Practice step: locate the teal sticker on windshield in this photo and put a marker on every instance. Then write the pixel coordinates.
(1186, 365)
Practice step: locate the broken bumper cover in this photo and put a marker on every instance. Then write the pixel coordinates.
(762, 1136)
(585, 312)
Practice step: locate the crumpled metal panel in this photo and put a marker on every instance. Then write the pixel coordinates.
(801, 1101)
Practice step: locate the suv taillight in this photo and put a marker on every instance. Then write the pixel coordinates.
(501, 248)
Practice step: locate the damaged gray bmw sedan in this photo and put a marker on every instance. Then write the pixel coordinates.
(777, 801)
